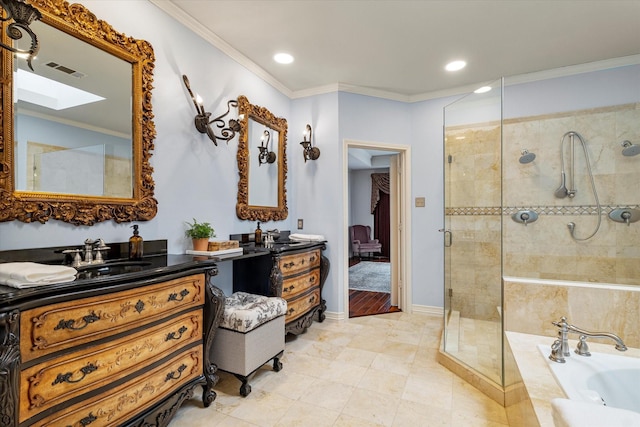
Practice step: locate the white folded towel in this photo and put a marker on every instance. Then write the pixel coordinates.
(574, 413)
(298, 237)
(23, 275)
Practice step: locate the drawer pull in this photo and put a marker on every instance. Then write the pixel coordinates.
(289, 264)
(172, 335)
(87, 420)
(289, 289)
(172, 375)
(139, 306)
(312, 299)
(174, 296)
(70, 324)
(66, 378)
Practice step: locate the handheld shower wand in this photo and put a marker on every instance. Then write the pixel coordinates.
(562, 191)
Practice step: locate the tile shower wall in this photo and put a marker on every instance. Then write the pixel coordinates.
(473, 209)
(527, 308)
(479, 201)
(545, 249)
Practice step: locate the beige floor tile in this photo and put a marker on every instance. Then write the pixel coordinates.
(302, 414)
(473, 403)
(344, 373)
(289, 384)
(328, 394)
(306, 365)
(385, 362)
(356, 356)
(384, 382)
(366, 372)
(369, 343)
(372, 406)
(435, 391)
(228, 422)
(263, 409)
(406, 352)
(345, 420)
(421, 414)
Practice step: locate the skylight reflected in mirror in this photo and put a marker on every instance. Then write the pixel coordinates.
(39, 90)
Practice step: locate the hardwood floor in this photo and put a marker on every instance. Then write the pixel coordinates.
(364, 303)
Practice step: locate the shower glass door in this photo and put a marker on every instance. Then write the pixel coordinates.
(472, 231)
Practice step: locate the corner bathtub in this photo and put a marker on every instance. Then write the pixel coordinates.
(603, 379)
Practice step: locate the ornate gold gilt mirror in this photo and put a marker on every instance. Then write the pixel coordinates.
(262, 195)
(80, 155)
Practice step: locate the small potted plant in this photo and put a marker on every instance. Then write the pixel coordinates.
(200, 233)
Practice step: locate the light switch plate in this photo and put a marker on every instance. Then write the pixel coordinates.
(300, 224)
(420, 202)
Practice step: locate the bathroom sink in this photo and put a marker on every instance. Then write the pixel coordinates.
(111, 268)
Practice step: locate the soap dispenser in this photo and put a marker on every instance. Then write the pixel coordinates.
(135, 244)
(258, 235)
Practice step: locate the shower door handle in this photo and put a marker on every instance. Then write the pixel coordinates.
(448, 237)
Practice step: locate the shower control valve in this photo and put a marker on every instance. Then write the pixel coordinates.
(625, 215)
(524, 217)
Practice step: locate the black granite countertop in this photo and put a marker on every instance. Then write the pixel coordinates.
(119, 270)
(113, 272)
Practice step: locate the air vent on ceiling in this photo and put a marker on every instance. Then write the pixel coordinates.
(66, 70)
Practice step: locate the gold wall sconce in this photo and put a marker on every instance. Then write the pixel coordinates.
(309, 152)
(203, 124)
(265, 155)
(23, 15)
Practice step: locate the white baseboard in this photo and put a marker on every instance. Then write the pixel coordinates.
(427, 309)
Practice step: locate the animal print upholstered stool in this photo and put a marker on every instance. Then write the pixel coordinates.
(251, 333)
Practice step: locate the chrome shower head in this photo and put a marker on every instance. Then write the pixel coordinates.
(630, 149)
(527, 157)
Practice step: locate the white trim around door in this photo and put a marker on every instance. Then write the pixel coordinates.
(402, 228)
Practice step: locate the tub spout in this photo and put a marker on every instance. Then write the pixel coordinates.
(620, 346)
(560, 348)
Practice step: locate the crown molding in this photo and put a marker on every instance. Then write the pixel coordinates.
(179, 15)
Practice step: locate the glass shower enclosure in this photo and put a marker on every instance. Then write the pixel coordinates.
(508, 152)
(473, 229)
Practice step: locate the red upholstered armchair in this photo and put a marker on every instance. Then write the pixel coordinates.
(361, 241)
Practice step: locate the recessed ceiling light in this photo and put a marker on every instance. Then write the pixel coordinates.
(483, 89)
(455, 65)
(283, 58)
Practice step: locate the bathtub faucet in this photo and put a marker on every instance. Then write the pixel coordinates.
(560, 347)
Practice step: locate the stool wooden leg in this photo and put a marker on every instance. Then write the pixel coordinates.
(245, 388)
(277, 364)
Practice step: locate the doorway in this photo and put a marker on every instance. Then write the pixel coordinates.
(397, 161)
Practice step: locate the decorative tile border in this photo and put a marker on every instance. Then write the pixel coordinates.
(540, 210)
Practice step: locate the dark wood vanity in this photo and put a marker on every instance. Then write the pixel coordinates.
(293, 271)
(121, 349)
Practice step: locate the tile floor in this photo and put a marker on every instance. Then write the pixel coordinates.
(369, 371)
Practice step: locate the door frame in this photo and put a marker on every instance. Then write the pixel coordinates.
(403, 228)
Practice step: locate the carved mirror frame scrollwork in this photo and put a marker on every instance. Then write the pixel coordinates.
(79, 22)
(247, 111)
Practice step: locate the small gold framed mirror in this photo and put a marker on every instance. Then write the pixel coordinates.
(261, 188)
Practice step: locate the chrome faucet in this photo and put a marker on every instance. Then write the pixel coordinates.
(560, 347)
(87, 257)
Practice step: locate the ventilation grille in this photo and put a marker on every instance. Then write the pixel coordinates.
(66, 70)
